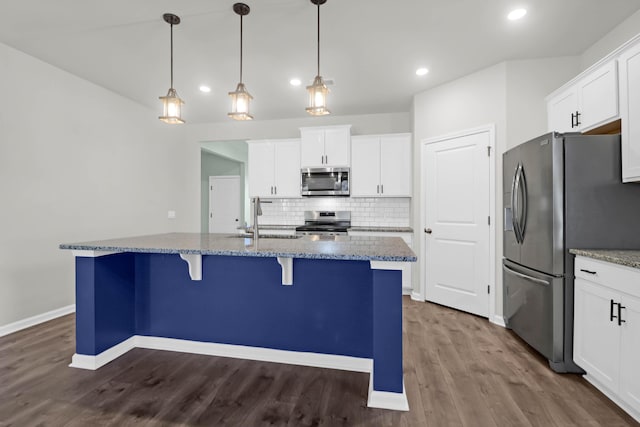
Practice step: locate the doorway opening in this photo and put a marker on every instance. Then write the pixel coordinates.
(220, 159)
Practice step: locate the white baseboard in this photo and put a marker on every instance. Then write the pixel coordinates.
(376, 399)
(498, 320)
(417, 297)
(407, 291)
(92, 363)
(317, 360)
(35, 320)
(387, 400)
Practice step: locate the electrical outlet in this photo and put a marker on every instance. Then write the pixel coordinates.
(171, 214)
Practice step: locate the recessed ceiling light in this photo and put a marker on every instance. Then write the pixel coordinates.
(205, 89)
(295, 82)
(422, 71)
(516, 14)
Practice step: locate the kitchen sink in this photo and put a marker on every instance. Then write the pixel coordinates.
(266, 236)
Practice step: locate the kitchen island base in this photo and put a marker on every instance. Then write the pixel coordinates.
(339, 314)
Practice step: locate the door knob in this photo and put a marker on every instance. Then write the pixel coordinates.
(428, 230)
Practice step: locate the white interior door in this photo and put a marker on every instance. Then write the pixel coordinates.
(456, 209)
(224, 204)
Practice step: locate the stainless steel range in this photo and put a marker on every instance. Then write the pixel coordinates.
(325, 223)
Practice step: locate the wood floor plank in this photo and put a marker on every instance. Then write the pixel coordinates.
(460, 370)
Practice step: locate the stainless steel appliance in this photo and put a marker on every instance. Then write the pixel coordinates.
(561, 191)
(325, 223)
(324, 181)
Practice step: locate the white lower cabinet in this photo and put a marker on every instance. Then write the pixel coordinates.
(607, 329)
(407, 275)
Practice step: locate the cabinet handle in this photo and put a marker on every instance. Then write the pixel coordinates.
(381, 188)
(272, 189)
(588, 271)
(275, 189)
(575, 120)
(378, 189)
(620, 307)
(611, 315)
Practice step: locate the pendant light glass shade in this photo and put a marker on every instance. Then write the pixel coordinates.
(318, 98)
(171, 108)
(318, 90)
(240, 98)
(171, 103)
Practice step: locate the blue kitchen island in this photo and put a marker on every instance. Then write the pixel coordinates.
(334, 303)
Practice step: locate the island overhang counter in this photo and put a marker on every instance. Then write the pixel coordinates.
(334, 303)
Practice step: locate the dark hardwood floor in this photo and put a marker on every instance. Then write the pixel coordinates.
(460, 370)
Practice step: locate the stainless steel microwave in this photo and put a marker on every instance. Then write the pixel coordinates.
(324, 181)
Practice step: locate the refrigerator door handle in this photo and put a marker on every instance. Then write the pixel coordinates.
(525, 195)
(526, 277)
(514, 204)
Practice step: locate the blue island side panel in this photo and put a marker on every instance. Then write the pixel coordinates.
(240, 300)
(105, 310)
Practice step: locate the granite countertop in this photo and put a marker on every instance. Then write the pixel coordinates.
(382, 229)
(628, 258)
(360, 248)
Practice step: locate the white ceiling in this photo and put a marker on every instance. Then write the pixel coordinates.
(370, 48)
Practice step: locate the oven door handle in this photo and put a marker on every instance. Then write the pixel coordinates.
(526, 276)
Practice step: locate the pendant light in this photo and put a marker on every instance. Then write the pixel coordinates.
(318, 90)
(171, 104)
(240, 99)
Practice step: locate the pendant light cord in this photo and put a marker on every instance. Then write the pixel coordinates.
(240, 48)
(171, 56)
(318, 39)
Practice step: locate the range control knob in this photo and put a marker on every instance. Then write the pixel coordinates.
(428, 230)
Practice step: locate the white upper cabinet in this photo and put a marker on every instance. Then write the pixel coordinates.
(327, 146)
(629, 67)
(561, 110)
(381, 166)
(365, 166)
(588, 103)
(598, 97)
(274, 168)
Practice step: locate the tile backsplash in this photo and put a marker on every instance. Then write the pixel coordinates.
(389, 212)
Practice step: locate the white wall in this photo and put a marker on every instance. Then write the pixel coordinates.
(628, 29)
(289, 128)
(509, 95)
(472, 101)
(77, 163)
(528, 83)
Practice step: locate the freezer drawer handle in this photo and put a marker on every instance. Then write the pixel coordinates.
(526, 277)
(588, 271)
(611, 315)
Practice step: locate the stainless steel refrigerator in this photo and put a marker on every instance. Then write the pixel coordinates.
(561, 191)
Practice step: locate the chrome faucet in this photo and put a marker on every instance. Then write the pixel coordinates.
(257, 211)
